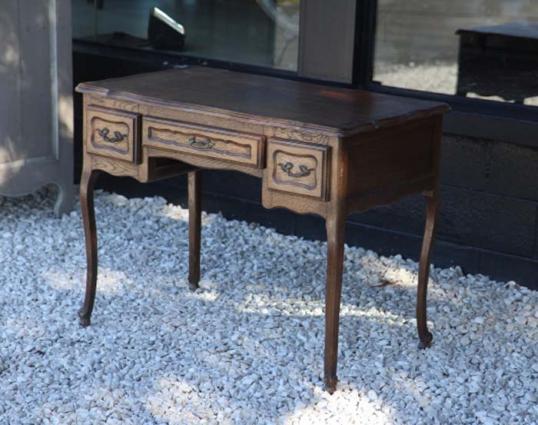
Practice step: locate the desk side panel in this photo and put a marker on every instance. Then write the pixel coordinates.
(390, 163)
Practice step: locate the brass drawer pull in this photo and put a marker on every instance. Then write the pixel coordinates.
(287, 167)
(202, 143)
(117, 138)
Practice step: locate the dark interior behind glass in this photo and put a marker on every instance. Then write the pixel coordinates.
(255, 32)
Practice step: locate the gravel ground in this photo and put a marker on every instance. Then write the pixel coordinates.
(247, 347)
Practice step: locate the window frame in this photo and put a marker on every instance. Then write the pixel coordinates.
(470, 117)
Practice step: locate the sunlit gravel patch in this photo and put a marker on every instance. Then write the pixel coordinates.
(247, 347)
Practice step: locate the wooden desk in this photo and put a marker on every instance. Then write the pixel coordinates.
(317, 149)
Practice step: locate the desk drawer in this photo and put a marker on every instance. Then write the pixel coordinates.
(298, 168)
(209, 142)
(113, 133)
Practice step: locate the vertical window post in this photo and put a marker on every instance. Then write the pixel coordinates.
(327, 40)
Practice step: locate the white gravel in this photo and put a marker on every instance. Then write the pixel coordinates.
(247, 347)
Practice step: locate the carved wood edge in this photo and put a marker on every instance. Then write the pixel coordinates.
(279, 125)
(202, 162)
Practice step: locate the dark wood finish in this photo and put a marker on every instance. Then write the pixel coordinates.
(201, 162)
(318, 150)
(424, 334)
(246, 149)
(113, 133)
(377, 157)
(195, 227)
(335, 225)
(266, 100)
(87, 182)
(297, 168)
(432, 206)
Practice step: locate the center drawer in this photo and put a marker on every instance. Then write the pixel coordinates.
(208, 142)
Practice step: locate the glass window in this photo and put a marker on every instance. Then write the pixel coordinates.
(257, 32)
(474, 48)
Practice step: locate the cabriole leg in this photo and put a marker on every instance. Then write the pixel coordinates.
(87, 182)
(335, 264)
(424, 269)
(195, 223)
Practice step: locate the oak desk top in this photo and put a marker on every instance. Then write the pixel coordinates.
(333, 110)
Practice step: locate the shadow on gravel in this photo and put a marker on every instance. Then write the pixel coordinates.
(248, 346)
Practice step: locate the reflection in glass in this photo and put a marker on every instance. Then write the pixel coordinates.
(258, 32)
(473, 48)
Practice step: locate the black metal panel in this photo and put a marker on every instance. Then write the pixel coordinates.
(518, 128)
(465, 162)
(513, 171)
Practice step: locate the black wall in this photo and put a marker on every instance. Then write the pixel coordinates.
(489, 214)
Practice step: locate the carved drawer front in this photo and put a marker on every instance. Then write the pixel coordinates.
(209, 142)
(112, 133)
(298, 168)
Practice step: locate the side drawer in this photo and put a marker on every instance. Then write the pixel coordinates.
(299, 168)
(208, 142)
(113, 133)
